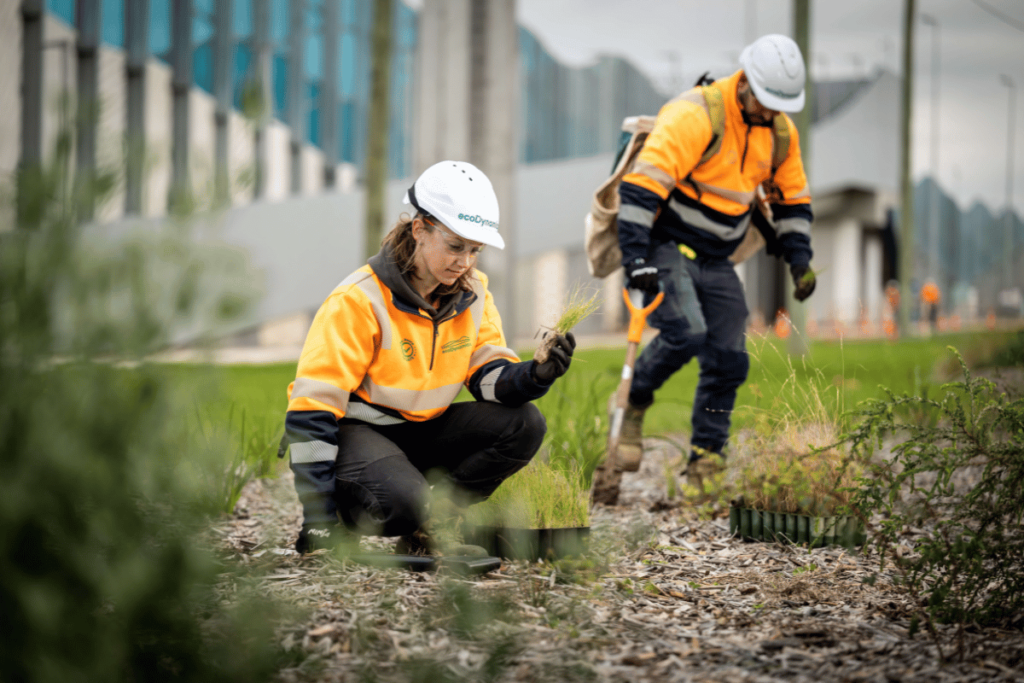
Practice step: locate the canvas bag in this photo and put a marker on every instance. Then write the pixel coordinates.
(601, 239)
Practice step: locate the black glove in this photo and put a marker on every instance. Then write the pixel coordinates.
(640, 275)
(558, 360)
(803, 278)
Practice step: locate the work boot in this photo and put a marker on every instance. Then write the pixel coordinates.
(631, 447)
(706, 473)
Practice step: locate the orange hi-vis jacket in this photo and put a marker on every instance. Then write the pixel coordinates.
(709, 206)
(377, 353)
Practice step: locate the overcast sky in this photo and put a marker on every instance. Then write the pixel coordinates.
(673, 41)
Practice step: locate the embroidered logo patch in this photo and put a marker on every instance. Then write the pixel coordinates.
(408, 349)
(460, 343)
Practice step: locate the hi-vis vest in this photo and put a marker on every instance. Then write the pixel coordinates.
(375, 358)
(601, 238)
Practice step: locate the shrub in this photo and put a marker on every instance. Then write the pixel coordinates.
(959, 479)
(101, 574)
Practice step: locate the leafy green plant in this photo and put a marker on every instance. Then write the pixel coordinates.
(959, 480)
(101, 574)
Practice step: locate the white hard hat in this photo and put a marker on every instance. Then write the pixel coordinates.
(460, 196)
(775, 70)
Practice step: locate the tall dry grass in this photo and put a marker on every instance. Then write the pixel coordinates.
(792, 460)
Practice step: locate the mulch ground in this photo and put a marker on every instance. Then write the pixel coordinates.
(665, 596)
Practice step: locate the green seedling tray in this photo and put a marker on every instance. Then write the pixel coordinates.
(529, 544)
(466, 566)
(786, 527)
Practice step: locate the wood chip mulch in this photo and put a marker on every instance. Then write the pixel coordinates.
(665, 597)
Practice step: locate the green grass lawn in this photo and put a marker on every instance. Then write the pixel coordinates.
(842, 374)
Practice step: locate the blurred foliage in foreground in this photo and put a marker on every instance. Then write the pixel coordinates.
(103, 491)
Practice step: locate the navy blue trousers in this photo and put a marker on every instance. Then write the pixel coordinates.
(704, 314)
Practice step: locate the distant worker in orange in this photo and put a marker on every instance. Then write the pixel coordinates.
(892, 296)
(930, 298)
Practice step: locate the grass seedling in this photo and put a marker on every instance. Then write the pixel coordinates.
(792, 462)
(579, 305)
(539, 496)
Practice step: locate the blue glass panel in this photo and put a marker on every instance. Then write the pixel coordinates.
(348, 65)
(112, 31)
(160, 28)
(280, 83)
(202, 67)
(65, 9)
(202, 21)
(313, 127)
(242, 21)
(313, 62)
(279, 22)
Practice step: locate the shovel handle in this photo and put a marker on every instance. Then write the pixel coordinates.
(638, 316)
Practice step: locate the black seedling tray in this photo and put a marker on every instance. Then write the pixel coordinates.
(466, 566)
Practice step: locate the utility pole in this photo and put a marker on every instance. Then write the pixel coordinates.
(934, 267)
(260, 84)
(797, 343)
(906, 246)
(1008, 232)
(180, 199)
(223, 58)
(377, 147)
(297, 109)
(30, 159)
(136, 39)
(88, 21)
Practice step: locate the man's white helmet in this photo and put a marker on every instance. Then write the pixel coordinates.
(775, 69)
(459, 195)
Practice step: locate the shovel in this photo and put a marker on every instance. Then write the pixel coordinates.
(605, 485)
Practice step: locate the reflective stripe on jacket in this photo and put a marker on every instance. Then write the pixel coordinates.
(708, 205)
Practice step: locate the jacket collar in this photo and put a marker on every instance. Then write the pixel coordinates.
(407, 299)
(733, 112)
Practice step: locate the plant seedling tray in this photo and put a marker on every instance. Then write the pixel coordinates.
(466, 566)
(529, 544)
(787, 527)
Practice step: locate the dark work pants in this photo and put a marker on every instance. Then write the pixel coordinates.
(703, 314)
(380, 484)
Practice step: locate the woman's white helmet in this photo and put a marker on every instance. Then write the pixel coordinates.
(459, 195)
(775, 70)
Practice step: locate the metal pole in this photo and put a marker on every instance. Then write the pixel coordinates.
(297, 88)
(329, 93)
(934, 267)
(906, 247)
(88, 22)
(136, 43)
(223, 52)
(261, 75)
(31, 153)
(797, 343)
(181, 84)
(1008, 232)
(377, 149)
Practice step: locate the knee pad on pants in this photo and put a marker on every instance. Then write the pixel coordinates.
(729, 367)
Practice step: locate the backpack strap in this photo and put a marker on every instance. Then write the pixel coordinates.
(780, 150)
(715, 105)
